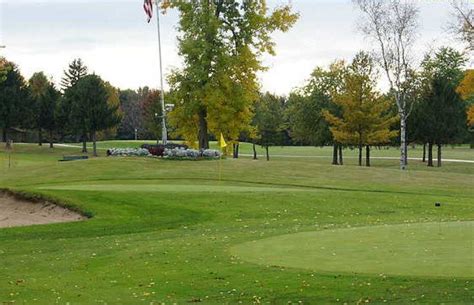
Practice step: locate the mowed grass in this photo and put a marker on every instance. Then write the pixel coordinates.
(164, 231)
(442, 249)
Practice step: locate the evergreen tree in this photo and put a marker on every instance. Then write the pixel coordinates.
(90, 111)
(444, 116)
(76, 70)
(14, 100)
(439, 119)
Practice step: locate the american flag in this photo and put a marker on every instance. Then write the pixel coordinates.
(148, 7)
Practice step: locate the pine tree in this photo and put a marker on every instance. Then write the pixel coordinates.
(14, 100)
(76, 70)
(90, 111)
(444, 115)
(439, 116)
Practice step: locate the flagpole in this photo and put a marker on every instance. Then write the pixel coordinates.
(164, 133)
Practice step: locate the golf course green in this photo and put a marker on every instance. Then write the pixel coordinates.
(422, 249)
(294, 230)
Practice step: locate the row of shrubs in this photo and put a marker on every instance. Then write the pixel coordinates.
(170, 153)
(128, 152)
(181, 153)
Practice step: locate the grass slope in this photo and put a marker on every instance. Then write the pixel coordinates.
(163, 231)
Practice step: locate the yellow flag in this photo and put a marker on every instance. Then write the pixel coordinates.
(222, 142)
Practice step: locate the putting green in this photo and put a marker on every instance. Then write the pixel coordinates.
(422, 249)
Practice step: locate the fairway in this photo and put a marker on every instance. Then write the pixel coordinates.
(170, 232)
(159, 186)
(424, 249)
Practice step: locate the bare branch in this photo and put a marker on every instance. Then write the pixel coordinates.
(463, 25)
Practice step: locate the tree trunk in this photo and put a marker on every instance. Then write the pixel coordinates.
(367, 155)
(334, 154)
(94, 145)
(4, 135)
(403, 143)
(341, 161)
(439, 155)
(40, 137)
(266, 150)
(254, 151)
(360, 154)
(202, 135)
(406, 152)
(84, 143)
(51, 139)
(235, 148)
(424, 152)
(430, 154)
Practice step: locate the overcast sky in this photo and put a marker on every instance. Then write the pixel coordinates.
(114, 40)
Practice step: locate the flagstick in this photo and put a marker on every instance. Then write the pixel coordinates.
(164, 133)
(220, 169)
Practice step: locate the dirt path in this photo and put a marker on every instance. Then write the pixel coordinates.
(15, 212)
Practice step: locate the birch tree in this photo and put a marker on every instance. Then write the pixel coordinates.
(392, 25)
(463, 24)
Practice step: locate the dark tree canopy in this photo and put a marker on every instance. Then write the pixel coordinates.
(14, 100)
(90, 111)
(269, 121)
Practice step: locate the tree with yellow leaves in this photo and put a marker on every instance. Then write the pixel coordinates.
(221, 43)
(466, 90)
(365, 119)
(470, 116)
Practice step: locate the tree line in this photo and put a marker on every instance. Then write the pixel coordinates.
(339, 106)
(217, 91)
(82, 108)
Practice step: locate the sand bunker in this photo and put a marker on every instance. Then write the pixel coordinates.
(16, 212)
